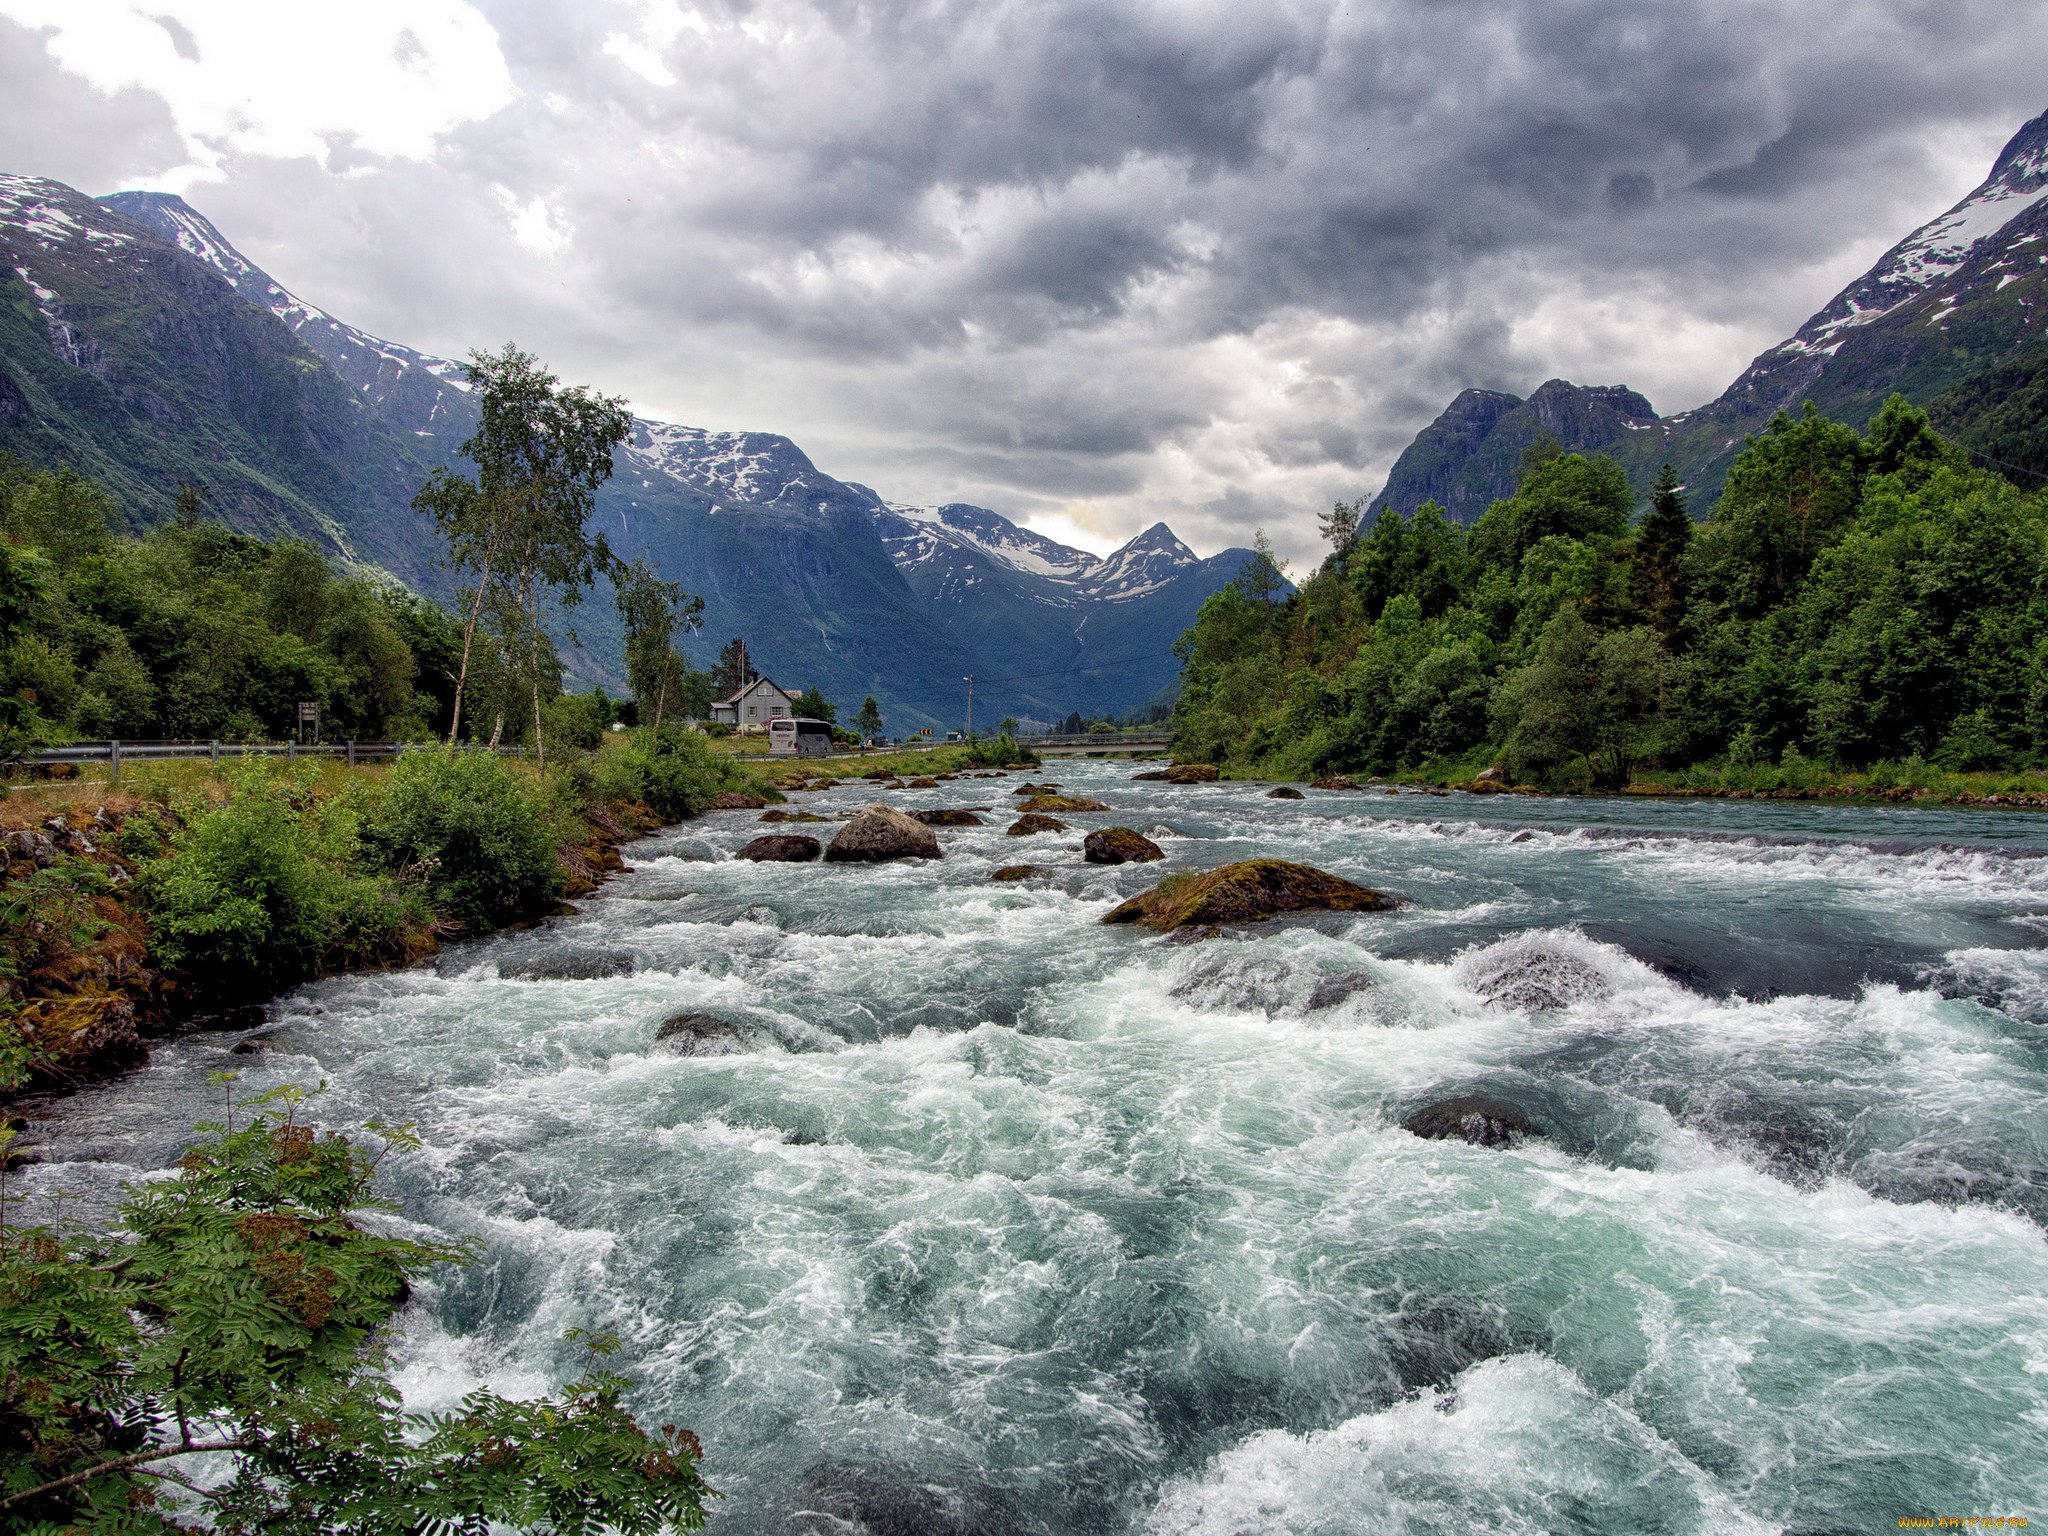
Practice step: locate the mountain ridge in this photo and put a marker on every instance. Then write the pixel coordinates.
(798, 562)
(1960, 295)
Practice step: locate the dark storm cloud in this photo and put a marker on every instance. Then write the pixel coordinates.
(1203, 261)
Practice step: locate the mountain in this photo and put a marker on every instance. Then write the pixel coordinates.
(1942, 318)
(1051, 611)
(139, 347)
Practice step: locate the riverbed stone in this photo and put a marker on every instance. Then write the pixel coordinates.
(1119, 845)
(878, 834)
(1285, 792)
(792, 816)
(737, 800)
(700, 1034)
(1010, 872)
(1032, 823)
(947, 818)
(1473, 1118)
(1193, 773)
(1249, 891)
(781, 848)
(1062, 805)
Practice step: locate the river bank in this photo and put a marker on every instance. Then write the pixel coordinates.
(187, 899)
(985, 1216)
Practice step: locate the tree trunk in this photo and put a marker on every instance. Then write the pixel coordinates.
(476, 608)
(540, 750)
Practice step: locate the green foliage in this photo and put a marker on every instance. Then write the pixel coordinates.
(1000, 751)
(813, 705)
(1852, 600)
(269, 888)
(193, 631)
(237, 1311)
(464, 826)
(653, 614)
(869, 721)
(674, 772)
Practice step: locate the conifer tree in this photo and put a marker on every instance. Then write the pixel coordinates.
(1657, 587)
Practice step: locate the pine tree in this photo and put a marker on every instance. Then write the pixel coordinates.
(1657, 585)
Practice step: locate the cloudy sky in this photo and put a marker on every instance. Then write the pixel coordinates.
(1090, 263)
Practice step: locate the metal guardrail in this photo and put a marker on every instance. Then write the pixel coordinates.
(118, 754)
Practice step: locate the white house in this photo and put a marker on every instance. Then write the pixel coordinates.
(755, 705)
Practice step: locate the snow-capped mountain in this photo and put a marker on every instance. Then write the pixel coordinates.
(1963, 294)
(139, 346)
(922, 539)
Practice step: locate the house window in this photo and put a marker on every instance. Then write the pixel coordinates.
(751, 712)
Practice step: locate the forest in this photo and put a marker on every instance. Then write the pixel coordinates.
(1854, 599)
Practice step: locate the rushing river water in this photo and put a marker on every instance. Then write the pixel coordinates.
(1005, 1221)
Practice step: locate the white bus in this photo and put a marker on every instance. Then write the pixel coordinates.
(799, 738)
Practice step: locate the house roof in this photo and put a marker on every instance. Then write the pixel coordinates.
(755, 687)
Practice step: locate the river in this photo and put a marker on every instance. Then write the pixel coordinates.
(1001, 1220)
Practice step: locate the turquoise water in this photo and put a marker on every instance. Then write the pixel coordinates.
(1000, 1220)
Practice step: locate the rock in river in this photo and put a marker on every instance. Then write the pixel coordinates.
(879, 833)
(1061, 804)
(1285, 792)
(947, 818)
(1031, 822)
(1247, 892)
(780, 848)
(700, 1034)
(1192, 773)
(1474, 1118)
(1119, 845)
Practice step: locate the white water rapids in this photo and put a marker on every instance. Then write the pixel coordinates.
(1001, 1220)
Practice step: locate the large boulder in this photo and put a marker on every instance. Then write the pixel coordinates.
(923, 783)
(736, 800)
(1192, 773)
(878, 834)
(792, 816)
(1119, 845)
(1068, 805)
(1011, 872)
(1029, 788)
(1285, 792)
(1031, 823)
(947, 818)
(1247, 892)
(1151, 776)
(780, 848)
(1472, 1118)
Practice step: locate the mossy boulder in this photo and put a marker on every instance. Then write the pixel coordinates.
(1029, 788)
(947, 818)
(923, 783)
(1031, 823)
(1193, 773)
(1471, 1118)
(737, 800)
(1151, 776)
(1061, 805)
(1247, 892)
(1285, 792)
(792, 816)
(781, 848)
(1119, 845)
(1013, 872)
(878, 834)
(1334, 783)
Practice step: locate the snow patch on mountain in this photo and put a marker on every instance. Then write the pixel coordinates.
(921, 537)
(1938, 249)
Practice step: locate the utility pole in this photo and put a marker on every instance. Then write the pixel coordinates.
(969, 680)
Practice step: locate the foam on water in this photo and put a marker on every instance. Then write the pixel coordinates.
(1003, 1220)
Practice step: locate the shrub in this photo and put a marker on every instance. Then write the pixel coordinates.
(467, 827)
(675, 774)
(1001, 752)
(235, 1313)
(256, 893)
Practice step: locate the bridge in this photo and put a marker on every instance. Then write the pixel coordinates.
(1098, 745)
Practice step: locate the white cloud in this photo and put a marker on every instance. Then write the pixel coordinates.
(384, 78)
